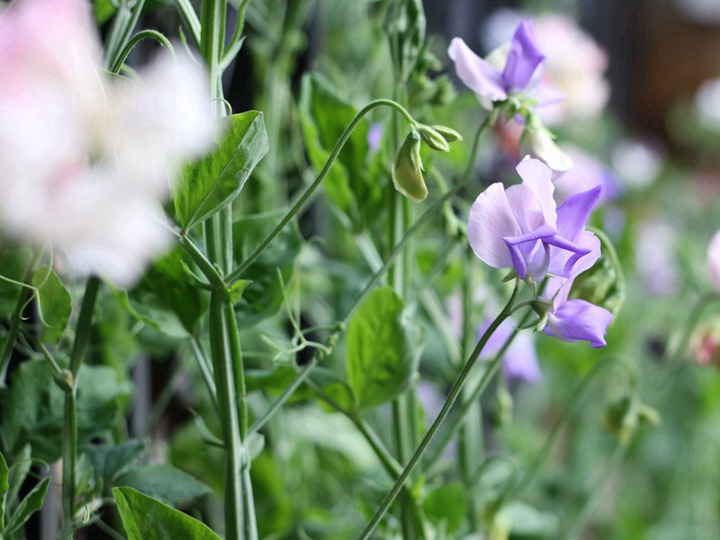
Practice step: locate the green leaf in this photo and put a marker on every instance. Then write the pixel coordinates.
(237, 289)
(263, 296)
(33, 407)
(14, 262)
(54, 304)
(380, 359)
(16, 478)
(324, 115)
(104, 9)
(109, 462)
(29, 505)
(447, 504)
(146, 518)
(165, 299)
(214, 181)
(4, 487)
(163, 482)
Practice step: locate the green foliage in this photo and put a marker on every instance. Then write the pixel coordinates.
(33, 407)
(165, 299)
(53, 302)
(214, 181)
(350, 184)
(446, 506)
(381, 354)
(163, 482)
(146, 518)
(263, 296)
(14, 514)
(13, 265)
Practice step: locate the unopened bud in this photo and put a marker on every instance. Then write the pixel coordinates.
(432, 138)
(407, 169)
(545, 148)
(449, 134)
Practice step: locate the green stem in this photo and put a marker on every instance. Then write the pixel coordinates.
(70, 431)
(24, 297)
(515, 488)
(227, 401)
(137, 38)
(475, 149)
(235, 274)
(125, 21)
(449, 402)
(205, 369)
(206, 267)
(190, 18)
(341, 327)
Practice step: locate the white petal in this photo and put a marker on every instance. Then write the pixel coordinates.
(492, 219)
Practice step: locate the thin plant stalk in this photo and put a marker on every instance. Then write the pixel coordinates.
(442, 415)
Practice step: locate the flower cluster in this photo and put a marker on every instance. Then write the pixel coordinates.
(85, 158)
(509, 80)
(522, 228)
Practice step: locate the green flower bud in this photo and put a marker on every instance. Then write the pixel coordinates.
(407, 169)
(432, 138)
(603, 284)
(449, 134)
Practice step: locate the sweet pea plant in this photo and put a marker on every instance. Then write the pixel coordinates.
(341, 345)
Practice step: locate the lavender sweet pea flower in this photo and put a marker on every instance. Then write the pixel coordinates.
(521, 228)
(575, 319)
(520, 362)
(510, 70)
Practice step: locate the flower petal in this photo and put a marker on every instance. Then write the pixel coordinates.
(714, 260)
(538, 177)
(491, 220)
(524, 58)
(579, 320)
(476, 73)
(574, 212)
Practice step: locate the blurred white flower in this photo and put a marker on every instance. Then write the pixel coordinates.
(707, 103)
(587, 172)
(84, 158)
(637, 163)
(575, 65)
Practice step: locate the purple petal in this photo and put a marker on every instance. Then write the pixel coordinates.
(578, 320)
(492, 219)
(524, 58)
(527, 257)
(476, 73)
(572, 259)
(547, 95)
(574, 212)
(520, 361)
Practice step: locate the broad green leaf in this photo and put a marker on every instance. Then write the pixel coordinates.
(163, 482)
(54, 304)
(349, 185)
(263, 296)
(212, 182)
(109, 462)
(380, 356)
(448, 505)
(146, 518)
(165, 299)
(4, 487)
(27, 507)
(33, 407)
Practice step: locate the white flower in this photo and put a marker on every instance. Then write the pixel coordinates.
(84, 159)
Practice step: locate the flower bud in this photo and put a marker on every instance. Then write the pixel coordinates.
(449, 134)
(545, 148)
(432, 138)
(407, 169)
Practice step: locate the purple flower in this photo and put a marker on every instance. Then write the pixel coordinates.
(510, 70)
(575, 319)
(520, 362)
(374, 136)
(521, 227)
